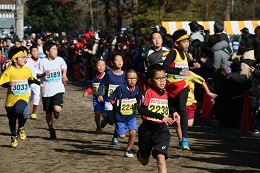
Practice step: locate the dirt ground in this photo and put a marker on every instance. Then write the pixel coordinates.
(79, 149)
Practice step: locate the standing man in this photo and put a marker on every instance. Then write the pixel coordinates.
(218, 29)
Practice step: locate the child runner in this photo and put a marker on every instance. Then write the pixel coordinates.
(99, 107)
(124, 101)
(111, 80)
(153, 133)
(16, 78)
(52, 71)
(26, 110)
(191, 102)
(32, 63)
(176, 65)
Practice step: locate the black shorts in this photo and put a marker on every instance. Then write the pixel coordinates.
(49, 102)
(153, 138)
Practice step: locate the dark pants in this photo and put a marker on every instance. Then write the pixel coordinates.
(111, 120)
(179, 103)
(16, 112)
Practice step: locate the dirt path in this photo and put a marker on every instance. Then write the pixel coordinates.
(79, 149)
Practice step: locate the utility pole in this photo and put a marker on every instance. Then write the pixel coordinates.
(19, 18)
(232, 10)
(228, 8)
(91, 13)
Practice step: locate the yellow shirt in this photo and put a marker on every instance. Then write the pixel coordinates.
(20, 90)
(193, 79)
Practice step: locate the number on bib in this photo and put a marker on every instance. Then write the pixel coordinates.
(54, 76)
(158, 106)
(128, 106)
(20, 88)
(111, 89)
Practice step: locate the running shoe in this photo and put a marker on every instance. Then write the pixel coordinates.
(22, 134)
(53, 134)
(103, 123)
(128, 154)
(33, 116)
(253, 131)
(138, 156)
(257, 135)
(180, 144)
(184, 144)
(14, 141)
(115, 141)
(99, 130)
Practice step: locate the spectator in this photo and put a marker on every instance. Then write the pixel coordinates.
(235, 44)
(220, 55)
(246, 49)
(257, 31)
(12, 30)
(218, 29)
(195, 33)
(254, 90)
(244, 33)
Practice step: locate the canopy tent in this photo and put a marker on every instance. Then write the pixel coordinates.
(231, 27)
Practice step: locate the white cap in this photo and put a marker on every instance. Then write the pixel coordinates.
(96, 36)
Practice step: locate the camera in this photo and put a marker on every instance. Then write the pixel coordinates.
(206, 32)
(155, 27)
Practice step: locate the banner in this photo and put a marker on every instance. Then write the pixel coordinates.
(231, 27)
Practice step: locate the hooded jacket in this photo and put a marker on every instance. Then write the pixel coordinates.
(247, 60)
(220, 56)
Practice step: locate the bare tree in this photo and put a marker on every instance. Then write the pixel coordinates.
(228, 8)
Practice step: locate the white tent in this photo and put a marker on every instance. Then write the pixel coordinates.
(231, 27)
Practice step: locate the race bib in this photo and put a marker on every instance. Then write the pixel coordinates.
(158, 106)
(95, 87)
(111, 89)
(128, 106)
(184, 67)
(55, 75)
(20, 88)
(41, 55)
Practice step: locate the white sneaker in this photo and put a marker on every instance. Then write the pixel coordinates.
(253, 131)
(257, 135)
(128, 153)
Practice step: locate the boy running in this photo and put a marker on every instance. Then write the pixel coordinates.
(176, 65)
(52, 71)
(153, 133)
(32, 63)
(124, 101)
(16, 79)
(110, 82)
(99, 107)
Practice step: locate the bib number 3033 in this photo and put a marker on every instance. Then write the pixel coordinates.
(20, 88)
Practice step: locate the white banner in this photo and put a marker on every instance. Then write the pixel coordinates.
(231, 27)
